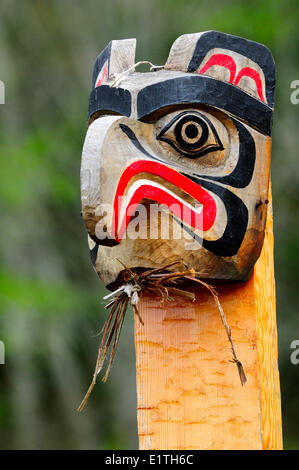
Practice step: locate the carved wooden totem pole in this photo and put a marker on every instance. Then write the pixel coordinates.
(175, 190)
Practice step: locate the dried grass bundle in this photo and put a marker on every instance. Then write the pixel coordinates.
(162, 283)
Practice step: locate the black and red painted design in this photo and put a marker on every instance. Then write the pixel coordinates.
(153, 192)
(102, 77)
(201, 189)
(262, 63)
(225, 74)
(101, 67)
(225, 60)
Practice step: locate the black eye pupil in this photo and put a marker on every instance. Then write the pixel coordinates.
(191, 131)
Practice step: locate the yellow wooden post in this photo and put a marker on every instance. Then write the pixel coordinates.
(189, 394)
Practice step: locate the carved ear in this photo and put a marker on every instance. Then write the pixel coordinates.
(117, 57)
(181, 52)
(245, 64)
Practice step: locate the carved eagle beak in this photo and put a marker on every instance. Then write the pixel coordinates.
(136, 176)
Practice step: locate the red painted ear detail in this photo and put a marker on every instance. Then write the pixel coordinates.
(102, 76)
(251, 73)
(224, 60)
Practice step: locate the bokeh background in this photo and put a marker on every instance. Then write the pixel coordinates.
(50, 297)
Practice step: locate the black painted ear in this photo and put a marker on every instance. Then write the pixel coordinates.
(117, 57)
(243, 63)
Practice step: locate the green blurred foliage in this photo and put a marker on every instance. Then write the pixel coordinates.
(50, 298)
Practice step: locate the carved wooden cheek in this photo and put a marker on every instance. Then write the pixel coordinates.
(182, 172)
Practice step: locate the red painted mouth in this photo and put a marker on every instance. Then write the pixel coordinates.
(198, 220)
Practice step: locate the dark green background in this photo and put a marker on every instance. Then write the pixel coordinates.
(50, 298)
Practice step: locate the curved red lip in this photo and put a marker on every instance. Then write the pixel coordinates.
(202, 221)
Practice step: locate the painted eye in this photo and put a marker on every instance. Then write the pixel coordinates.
(191, 134)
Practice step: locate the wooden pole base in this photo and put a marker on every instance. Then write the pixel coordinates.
(189, 393)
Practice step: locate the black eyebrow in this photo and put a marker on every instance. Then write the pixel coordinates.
(197, 89)
(108, 99)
